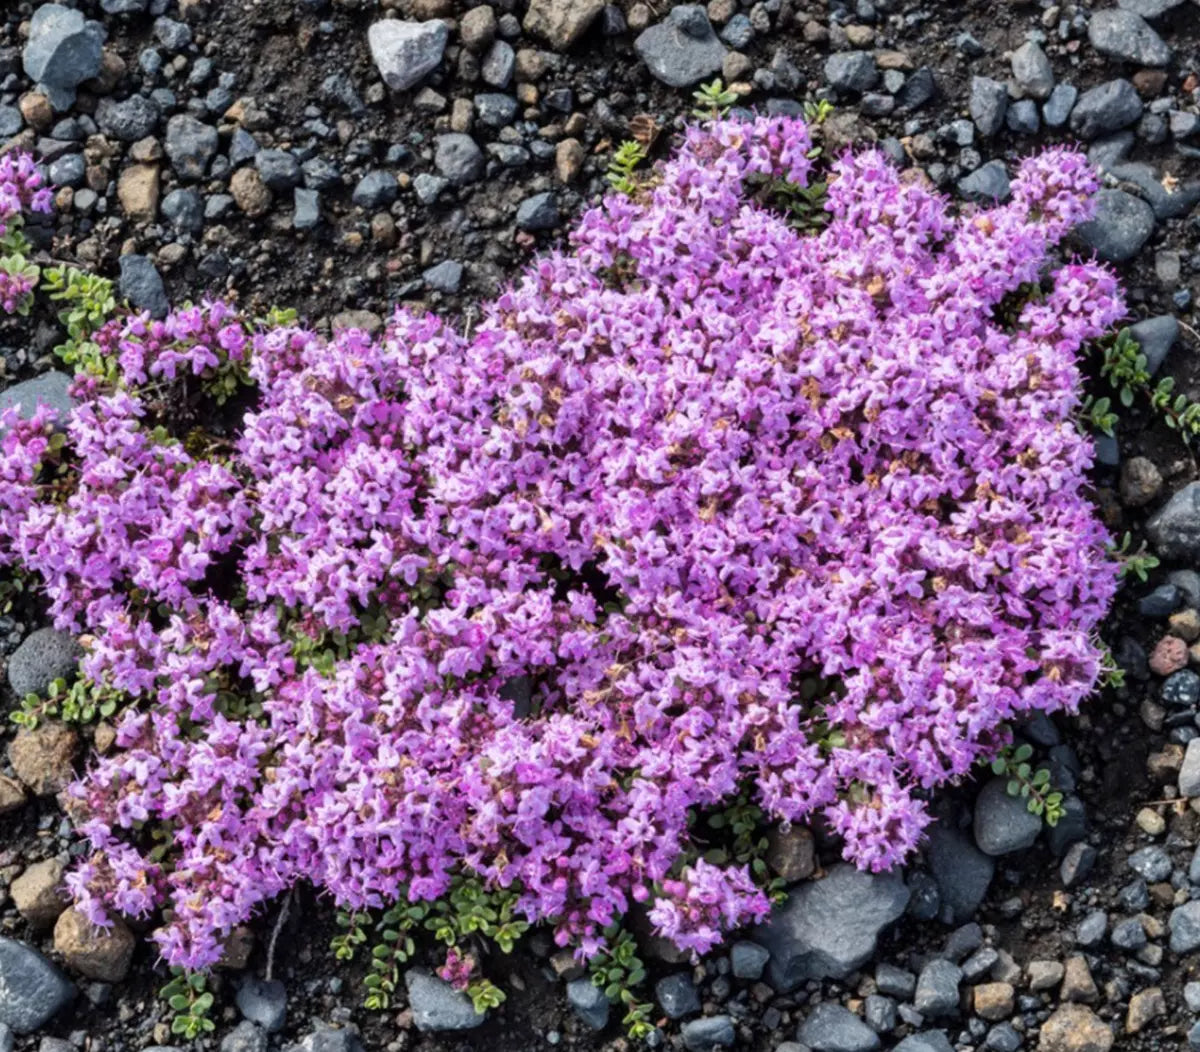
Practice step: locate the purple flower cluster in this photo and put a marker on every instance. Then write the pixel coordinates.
(706, 503)
(21, 191)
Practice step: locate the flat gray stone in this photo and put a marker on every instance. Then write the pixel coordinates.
(539, 212)
(1149, 9)
(987, 184)
(190, 146)
(988, 105)
(45, 655)
(832, 1028)
(925, 1041)
(682, 49)
(588, 1002)
(458, 158)
(1189, 773)
(1156, 336)
(1174, 529)
(747, 960)
(436, 1005)
(1121, 226)
(445, 276)
(1057, 108)
(263, 1002)
(963, 873)
(1032, 71)
(702, 1035)
(32, 990)
(49, 389)
(406, 52)
(851, 72)
(1108, 107)
(937, 989)
(1167, 204)
(63, 50)
(1124, 35)
(1002, 822)
(129, 120)
(142, 285)
(676, 994)
(1184, 926)
(829, 927)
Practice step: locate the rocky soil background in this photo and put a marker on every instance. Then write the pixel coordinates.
(341, 156)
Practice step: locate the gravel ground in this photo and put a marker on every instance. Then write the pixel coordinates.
(340, 157)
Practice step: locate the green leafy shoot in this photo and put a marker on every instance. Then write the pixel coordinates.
(713, 100)
(620, 175)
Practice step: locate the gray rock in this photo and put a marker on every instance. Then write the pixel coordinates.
(32, 990)
(70, 170)
(851, 72)
(376, 189)
(445, 276)
(1003, 1037)
(495, 109)
(1105, 108)
(142, 285)
(172, 34)
(129, 120)
(436, 1005)
(320, 175)
(328, 1039)
(1121, 226)
(701, 1035)
(677, 995)
(937, 989)
(1184, 926)
(1032, 71)
(1022, 117)
(458, 158)
(263, 1002)
(1149, 8)
(748, 960)
(1181, 690)
(190, 145)
(428, 188)
(306, 210)
(1057, 108)
(63, 50)
(539, 212)
(987, 184)
(1092, 929)
(124, 7)
(7, 1038)
(832, 1028)
(925, 1041)
(918, 89)
(1167, 204)
(895, 982)
(963, 873)
(1156, 336)
(48, 389)
(242, 147)
(682, 49)
(184, 210)
(1002, 822)
(1175, 529)
(1077, 864)
(827, 928)
(1128, 935)
(1189, 776)
(738, 32)
(279, 169)
(44, 656)
(498, 64)
(245, 1037)
(406, 52)
(879, 1013)
(988, 104)
(10, 121)
(1124, 35)
(589, 1002)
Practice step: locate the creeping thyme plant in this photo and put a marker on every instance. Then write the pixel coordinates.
(691, 462)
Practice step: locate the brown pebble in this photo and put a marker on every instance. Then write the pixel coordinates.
(1149, 82)
(568, 160)
(993, 1001)
(36, 110)
(1170, 654)
(1078, 985)
(252, 195)
(1074, 1028)
(1144, 1007)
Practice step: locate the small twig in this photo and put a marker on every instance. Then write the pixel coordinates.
(283, 912)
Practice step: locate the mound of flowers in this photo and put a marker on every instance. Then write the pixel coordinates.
(708, 504)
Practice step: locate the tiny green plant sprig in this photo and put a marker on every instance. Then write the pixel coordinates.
(713, 100)
(1125, 368)
(83, 701)
(620, 174)
(1033, 786)
(1134, 562)
(1097, 415)
(88, 301)
(618, 970)
(190, 1002)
